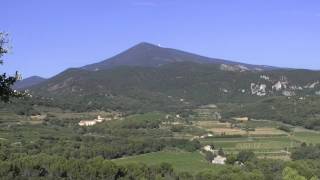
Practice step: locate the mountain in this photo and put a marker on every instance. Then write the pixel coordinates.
(149, 55)
(173, 86)
(149, 78)
(290, 96)
(28, 82)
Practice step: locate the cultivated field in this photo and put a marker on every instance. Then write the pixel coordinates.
(227, 129)
(266, 140)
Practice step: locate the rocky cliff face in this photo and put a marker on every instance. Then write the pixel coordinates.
(282, 86)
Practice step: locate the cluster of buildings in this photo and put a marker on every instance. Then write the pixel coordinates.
(99, 119)
(218, 158)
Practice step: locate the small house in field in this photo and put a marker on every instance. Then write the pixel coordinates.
(206, 135)
(93, 122)
(87, 123)
(219, 160)
(99, 119)
(208, 148)
(210, 135)
(241, 119)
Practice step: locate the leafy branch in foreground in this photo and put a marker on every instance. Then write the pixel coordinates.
(6, 82)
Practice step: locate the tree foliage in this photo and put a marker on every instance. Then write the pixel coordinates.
(291, 174)
(6, 82)
(306, 152)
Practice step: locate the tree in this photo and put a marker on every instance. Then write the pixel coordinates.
(306, 152)
(244, 156)
(231, 159)
(221, 152)
(6, 81)
(209, 156)
(291, 174)
(314, 178)
(3, 43)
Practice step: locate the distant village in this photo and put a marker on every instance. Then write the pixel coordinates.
(99, 119)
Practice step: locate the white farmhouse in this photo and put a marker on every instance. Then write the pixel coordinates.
(209, 148)
(210, 135)
(87, 123)
(99, 119)
(93, 122)
(219, 160)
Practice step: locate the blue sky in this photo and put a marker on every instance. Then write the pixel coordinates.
(49, 36)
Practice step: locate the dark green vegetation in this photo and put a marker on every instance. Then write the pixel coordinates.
(193, 162)
(114, 139)
(57, 147)
(307, 152)
(43, 166)
(294, 111)
(141, 146)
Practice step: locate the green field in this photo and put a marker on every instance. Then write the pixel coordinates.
(267, 141)
(181, 161)
(307, 136)
(264, 147)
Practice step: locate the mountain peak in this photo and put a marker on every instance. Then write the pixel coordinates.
(145, 45)
(145, 54)
(28, 82)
